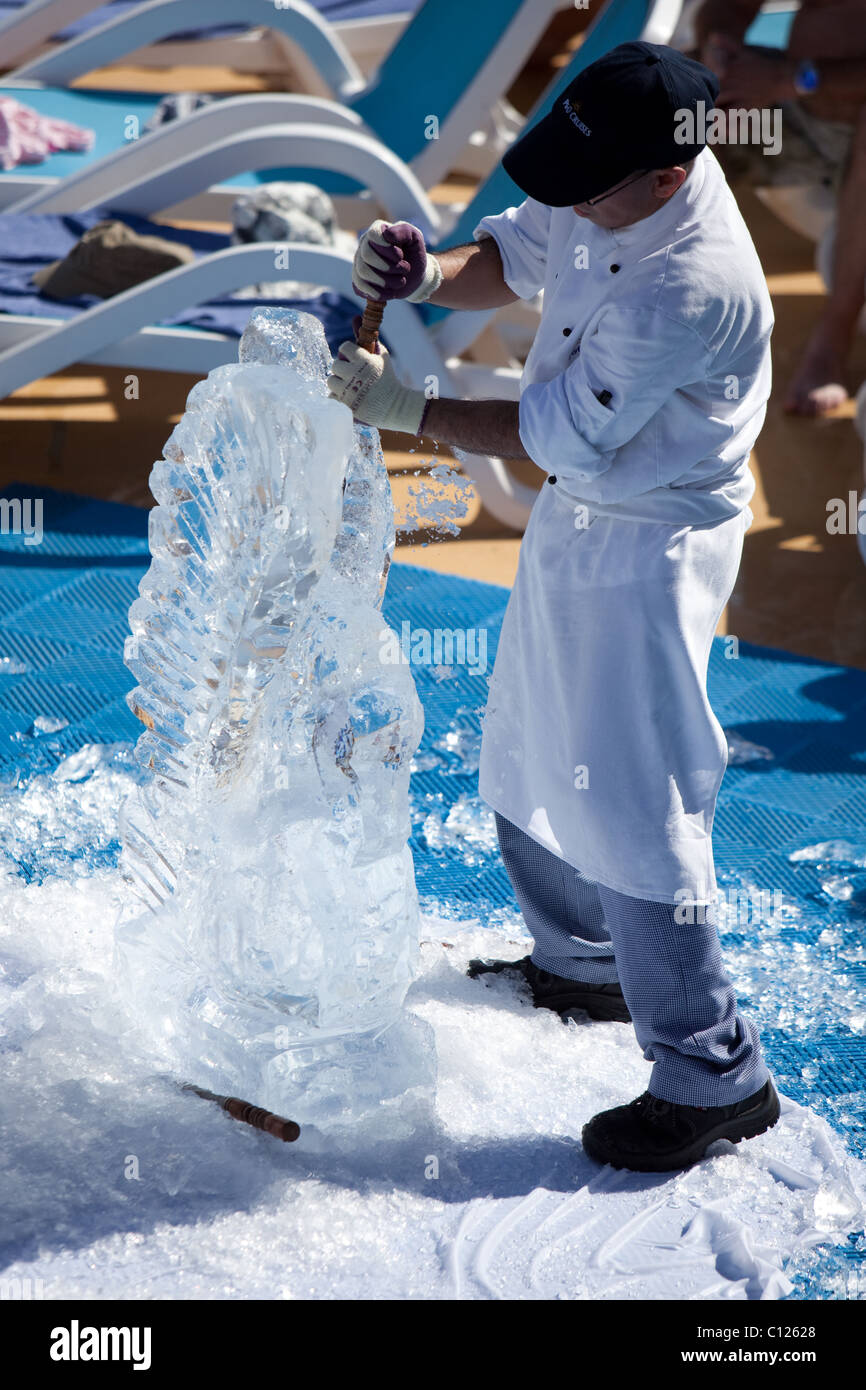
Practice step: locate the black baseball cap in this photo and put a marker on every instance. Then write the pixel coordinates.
(618, 116)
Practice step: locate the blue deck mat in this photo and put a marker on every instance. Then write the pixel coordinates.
(63, 615)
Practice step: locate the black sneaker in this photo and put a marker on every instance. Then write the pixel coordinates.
(656, 1136)
(602, 1002)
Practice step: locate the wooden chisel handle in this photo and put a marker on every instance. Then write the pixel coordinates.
(368, 331)
(248, 1114)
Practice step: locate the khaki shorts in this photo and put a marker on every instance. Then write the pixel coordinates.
(813, 152)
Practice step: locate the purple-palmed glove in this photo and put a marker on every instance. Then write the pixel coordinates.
(392, 262)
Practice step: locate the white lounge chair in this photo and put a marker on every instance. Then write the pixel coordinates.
(405, 86)
(423, 79)
(367, 29)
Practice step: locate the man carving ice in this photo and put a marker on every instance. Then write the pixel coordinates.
(642, 396)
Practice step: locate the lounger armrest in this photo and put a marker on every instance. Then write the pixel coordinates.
(137, 158)
(158, 19)
(27, 29)
(118, 182)
(663, 16)
(208, 277)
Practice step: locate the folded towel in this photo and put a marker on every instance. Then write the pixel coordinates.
(26, 137)
(109, 258)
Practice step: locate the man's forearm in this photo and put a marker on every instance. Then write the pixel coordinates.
(478, 427)
(472, 277)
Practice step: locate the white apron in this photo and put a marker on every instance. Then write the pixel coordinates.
(599, 740)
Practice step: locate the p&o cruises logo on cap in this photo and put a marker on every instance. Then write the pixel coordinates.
(571, 109)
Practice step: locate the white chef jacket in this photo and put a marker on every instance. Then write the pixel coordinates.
(642, 396)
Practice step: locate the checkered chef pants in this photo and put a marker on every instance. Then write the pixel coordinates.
(681, 1001)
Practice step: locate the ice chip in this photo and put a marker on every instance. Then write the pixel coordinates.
(836, 1205)
(49, 724)
(741, 751)
(838, 887)
(831, 852)
(11, 666)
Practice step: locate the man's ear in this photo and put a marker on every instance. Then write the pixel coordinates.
(669, 180)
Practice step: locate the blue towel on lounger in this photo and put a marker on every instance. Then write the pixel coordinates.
(30, 241)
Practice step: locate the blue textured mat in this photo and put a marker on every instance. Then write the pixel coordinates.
(63, 607)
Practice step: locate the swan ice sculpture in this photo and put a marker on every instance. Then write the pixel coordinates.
(276, 927)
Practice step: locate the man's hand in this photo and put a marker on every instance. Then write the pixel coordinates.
(391, 262)
(754, 80)
(367, 383)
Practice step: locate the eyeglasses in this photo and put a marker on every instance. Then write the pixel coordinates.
(591, 202)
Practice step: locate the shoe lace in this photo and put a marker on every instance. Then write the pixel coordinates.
(650, 1108)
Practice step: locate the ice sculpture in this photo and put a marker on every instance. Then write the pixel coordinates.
(269, 843)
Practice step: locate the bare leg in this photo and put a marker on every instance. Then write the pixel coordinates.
(818, 384)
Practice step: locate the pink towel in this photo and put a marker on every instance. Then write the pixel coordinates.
(28, 138)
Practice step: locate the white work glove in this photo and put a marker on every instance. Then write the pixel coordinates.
(392, 262)
(367, 383)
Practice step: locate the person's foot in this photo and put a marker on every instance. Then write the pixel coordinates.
(655, 1136)
(605, 1003)
(816, 387)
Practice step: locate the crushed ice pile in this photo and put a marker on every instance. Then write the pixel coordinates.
(113, 1184)
(277, 929)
